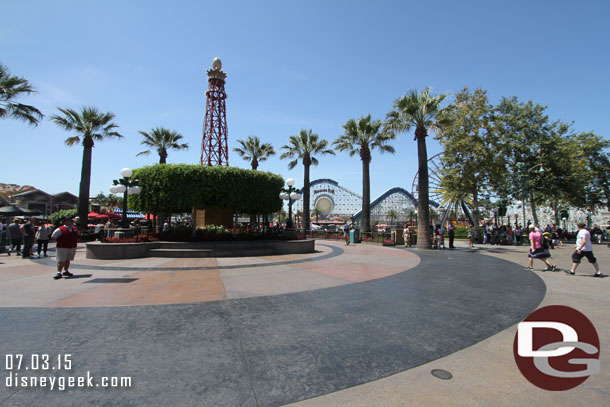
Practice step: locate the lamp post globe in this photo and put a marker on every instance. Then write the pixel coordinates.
(126, 187)
(134, 190)
(290, 194)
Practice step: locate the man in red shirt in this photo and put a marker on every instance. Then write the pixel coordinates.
(66, 237)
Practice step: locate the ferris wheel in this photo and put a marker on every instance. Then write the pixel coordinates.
(439, 198)
(435, 191)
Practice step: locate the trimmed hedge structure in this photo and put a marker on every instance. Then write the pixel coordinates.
(178, 188)
(57, 218)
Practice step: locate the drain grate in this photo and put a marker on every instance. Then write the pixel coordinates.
(441, 374)
(111, 280)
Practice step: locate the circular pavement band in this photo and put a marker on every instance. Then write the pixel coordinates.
(335, 251)
(269, 351)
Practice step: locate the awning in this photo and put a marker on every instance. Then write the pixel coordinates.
(10, 210)
(130, 214)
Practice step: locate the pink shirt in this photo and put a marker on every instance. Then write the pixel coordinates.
(536, 238)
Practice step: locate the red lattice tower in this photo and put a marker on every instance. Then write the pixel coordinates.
(214, 146)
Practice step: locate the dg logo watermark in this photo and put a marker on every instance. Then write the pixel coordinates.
(556, 348)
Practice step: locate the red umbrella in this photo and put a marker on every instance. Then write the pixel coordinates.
(93, 215)
(113, 215)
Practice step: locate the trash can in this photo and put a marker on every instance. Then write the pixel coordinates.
(354, 236)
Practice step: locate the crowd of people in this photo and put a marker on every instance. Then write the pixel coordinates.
(21, 234)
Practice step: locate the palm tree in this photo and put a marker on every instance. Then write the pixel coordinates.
(162, 139)
(10, 88)
(422, 111)
(91, 126)
(362, 137)
(316, 212)
(252, 150)
(410, 215)
(303, 146)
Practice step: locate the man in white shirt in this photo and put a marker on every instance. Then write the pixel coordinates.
(584, 248)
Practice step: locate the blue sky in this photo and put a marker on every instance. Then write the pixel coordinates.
(290, 65)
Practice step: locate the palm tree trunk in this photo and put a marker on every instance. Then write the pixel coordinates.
(85, 181)
(162, 158)
(306, 199)
(253, 222)
(365, 220)
(423, 201)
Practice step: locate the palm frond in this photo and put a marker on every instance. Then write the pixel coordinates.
(10, 88)
(70, 141)
(292, 164)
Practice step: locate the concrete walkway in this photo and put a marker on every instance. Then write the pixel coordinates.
(359, 325)
(148, 281)
(485, 374)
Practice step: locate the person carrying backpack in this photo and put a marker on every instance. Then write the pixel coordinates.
(537, 250)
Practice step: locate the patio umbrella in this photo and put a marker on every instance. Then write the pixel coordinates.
(31, 212)
(10, 210)
(94, 215)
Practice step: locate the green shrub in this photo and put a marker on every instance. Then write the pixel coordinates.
(461, 232)
(57, 218)
(168, 188)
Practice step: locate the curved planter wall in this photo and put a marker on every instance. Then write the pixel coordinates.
(117, 251)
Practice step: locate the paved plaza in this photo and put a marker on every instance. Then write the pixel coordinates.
(358, 325)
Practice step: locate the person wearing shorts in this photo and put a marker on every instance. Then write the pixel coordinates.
(67, 239)
(584, 248)
(346, 229)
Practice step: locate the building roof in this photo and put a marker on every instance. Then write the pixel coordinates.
(31, 192)
(65, 193)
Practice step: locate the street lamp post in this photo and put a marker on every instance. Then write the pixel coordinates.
(126, 187)
(290, 194)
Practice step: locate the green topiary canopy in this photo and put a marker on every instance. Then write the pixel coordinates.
(168, 188)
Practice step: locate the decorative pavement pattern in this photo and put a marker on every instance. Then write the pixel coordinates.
(262, 331)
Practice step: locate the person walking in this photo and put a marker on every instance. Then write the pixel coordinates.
(471, 237)
(29, 234)
(67, 240)
(406, 235)
(584, 248)
(346, 229)
(16, 236)
(537, 250)
(451, 232)
(43, 234)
